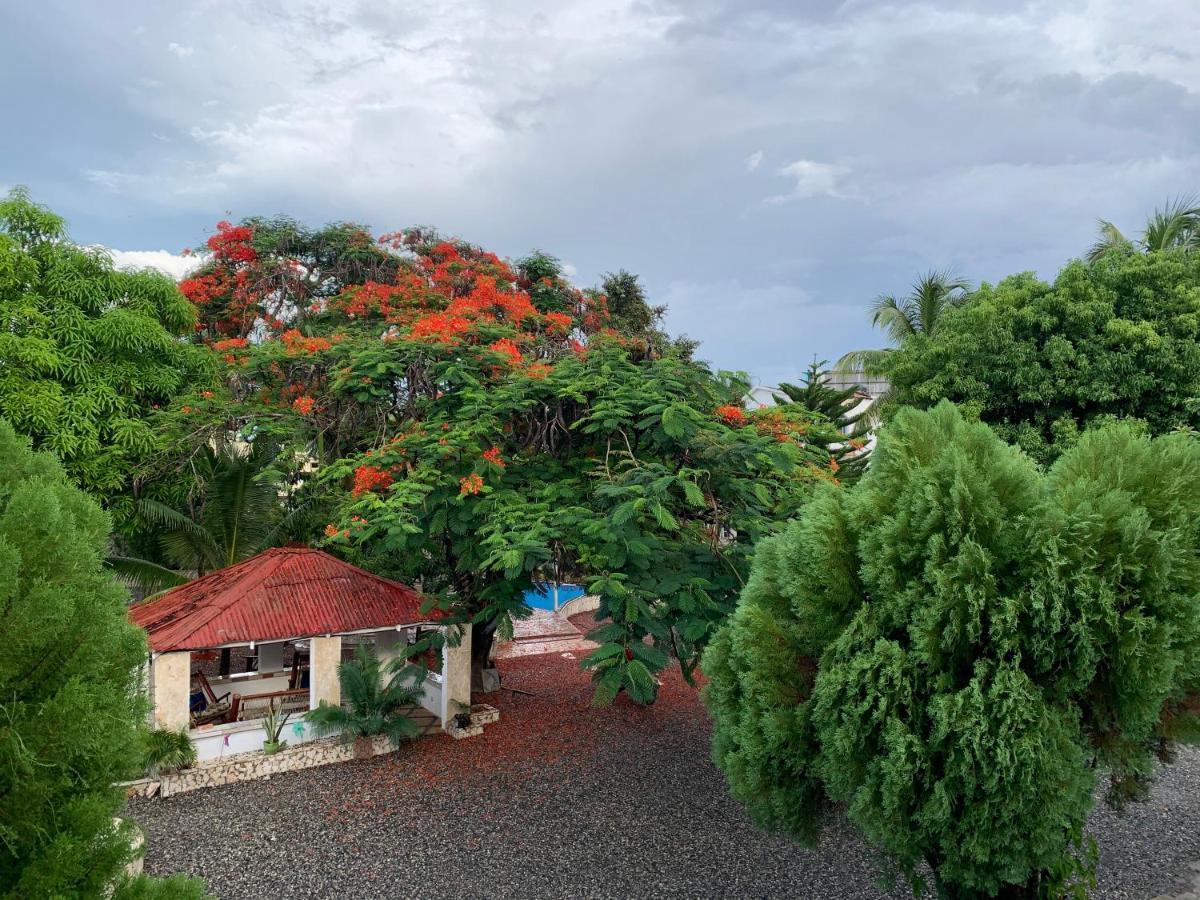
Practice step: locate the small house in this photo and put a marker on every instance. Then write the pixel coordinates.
(289, 616)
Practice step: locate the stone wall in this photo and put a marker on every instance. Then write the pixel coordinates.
(249, 766)
(586, 603)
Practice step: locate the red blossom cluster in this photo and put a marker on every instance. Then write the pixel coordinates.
(508, 348)
(472, 484)
(559, 323)
(493, 456)
(370, 478)
(295, 342)
(733, 416)
(304, 405)
(232, 243)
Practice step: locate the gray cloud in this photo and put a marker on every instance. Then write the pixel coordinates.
(647, 135)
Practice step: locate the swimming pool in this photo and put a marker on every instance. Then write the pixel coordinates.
(542, 595)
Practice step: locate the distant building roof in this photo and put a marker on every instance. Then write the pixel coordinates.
(283, 593)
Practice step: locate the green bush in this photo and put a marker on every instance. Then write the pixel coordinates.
(168, 751)
(955, 647)
(1042, 362)
(70, 704)
(374, 704)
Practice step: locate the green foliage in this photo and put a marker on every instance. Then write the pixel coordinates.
(1175, 226)
(604, 467)
(846, 445)
(919, 312)
(953, 646)
(167, 751)
(1039, 363)
(376, 699)
(70, 703)
(627, 303)
(86, 351)
(231, 513)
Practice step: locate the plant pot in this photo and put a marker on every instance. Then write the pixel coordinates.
(272, 747)
(364, 748)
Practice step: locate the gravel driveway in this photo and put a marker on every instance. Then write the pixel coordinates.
(562, 800)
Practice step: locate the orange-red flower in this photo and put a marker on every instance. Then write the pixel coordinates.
(472, 484)
(733, 416)
(370, 478)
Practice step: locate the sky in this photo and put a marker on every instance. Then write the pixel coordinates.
(767, 167)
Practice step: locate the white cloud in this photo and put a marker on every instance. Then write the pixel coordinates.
(180, 50)
(754, 160)
(813, 179)
(174, 264)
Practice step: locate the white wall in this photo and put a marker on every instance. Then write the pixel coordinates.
(244, 737)
(431, 695)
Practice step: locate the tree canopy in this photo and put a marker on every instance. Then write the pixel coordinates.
(477, 425)
(957, 645)
(87, 352)
(1040, 362)
(70, 697)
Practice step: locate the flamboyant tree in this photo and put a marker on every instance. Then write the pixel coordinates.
(957, 646)
(476, 425)
(262, 273)
(86, 352)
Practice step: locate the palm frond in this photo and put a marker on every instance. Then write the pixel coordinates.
(862, 362)
(1173, 226)
(893, 317)
(1110, 240)
(143, 575)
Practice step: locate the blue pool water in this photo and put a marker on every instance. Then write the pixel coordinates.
(542, 596)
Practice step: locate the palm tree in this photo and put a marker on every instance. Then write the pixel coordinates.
(1175, 226)
(234, 512)
(917, 312)
(376, 700)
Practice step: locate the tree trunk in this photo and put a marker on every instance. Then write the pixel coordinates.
(483, 636)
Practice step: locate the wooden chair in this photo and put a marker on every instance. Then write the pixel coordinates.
(217, 710)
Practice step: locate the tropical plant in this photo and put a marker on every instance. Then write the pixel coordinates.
(955, 648)
(919, 312)
(470, 423)
(1118, 338)
(273, 723)
(86, 351)
(375, 699)
(233, 510)
(843, 409)
(70, 699)
(1175, 226)
(168, 751)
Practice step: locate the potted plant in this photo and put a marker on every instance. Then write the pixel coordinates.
(273, 723)
(374, 702)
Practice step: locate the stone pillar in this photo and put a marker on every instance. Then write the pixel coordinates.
(270, 657)
(171, 686)
(324, 657)
(456, 677)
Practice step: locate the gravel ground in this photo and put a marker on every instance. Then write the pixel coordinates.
(562, 800)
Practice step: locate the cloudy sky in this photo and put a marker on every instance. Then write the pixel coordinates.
(767, 166)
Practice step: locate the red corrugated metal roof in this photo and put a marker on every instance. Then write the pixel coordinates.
(287, 592)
